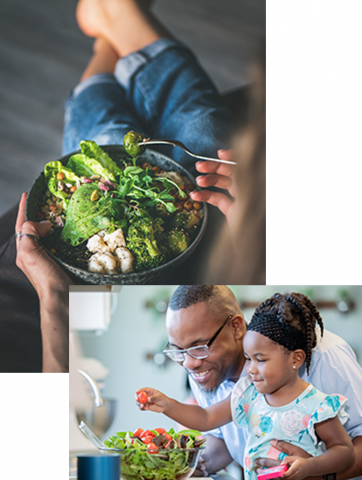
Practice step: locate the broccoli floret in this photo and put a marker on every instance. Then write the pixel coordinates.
(142, 239)
(186, 220)
(161, 210)
(143, 260)
(177, 240)
(146, 230)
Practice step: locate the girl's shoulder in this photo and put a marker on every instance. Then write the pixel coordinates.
(323, 407)
(242, 397)
(328, 404)
(314, 397)
(243, 384)
(244, 388)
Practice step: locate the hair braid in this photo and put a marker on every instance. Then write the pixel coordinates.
(299, 311)
(313, 310)
(309, 326)
(266, 305)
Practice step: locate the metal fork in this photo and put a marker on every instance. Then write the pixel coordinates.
(176, 143)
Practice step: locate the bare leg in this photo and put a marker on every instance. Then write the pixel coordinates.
(126, 25)
(104, 59)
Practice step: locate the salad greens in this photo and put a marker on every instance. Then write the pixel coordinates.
(126, 193)
(93, 193)
(162, 461)
(85, 166)
(51, 170)
(91, 150)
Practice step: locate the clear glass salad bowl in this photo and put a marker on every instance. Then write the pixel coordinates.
(168, 464)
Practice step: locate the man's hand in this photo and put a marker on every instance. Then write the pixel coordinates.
(285, 447)
(218, 175)
(201, 467)
(215, 457)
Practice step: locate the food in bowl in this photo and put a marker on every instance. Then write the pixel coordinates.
(116, 217)
(157, 454)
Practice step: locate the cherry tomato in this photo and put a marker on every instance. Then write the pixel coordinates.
(147, 440)
(168, 444)
(142, 397)
(159, 430)
(152, 448)
(168, 436)
(147, 433)
(138, 432)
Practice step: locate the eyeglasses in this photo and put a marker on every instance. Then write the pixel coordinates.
(200, 352)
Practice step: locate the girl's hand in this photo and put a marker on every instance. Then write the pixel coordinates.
(299, 468)
(151, 399)
(285, 447)
(218, 175)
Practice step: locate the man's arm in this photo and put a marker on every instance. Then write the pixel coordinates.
(356, 469)
(215, 457)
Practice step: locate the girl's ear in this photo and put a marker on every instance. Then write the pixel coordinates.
(298, 358)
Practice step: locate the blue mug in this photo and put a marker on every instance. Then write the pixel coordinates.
(94, 466)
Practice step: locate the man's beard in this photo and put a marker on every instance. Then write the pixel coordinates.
(210, 393)
(222, 375)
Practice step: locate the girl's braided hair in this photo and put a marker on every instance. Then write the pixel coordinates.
(298, 311)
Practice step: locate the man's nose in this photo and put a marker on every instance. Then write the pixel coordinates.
(191, 363)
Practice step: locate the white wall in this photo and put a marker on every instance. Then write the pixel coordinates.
(133, 332)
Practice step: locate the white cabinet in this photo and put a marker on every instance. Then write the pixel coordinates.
(89, 311)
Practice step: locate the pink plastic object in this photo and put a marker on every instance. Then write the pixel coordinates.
(274, 472)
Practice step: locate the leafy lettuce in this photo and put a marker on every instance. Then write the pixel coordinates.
(86, 167)
(50, 172)
(91, 150)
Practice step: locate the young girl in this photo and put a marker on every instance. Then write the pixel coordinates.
(273, 402)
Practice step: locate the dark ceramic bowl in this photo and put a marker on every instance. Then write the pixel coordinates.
(116, 152)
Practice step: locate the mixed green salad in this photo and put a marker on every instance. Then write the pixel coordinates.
(117, 217)
(157, 454)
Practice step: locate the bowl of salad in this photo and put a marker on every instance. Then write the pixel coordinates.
(120, 214)
(157, 454)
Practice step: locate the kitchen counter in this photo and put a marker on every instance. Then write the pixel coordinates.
(222, 475)
(213, 477)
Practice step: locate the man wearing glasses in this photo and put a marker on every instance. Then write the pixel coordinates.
(208, 321)
(206, 328)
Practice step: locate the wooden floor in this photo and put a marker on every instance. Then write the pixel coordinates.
(43, 53)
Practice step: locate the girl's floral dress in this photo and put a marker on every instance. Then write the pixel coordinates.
(293, 423)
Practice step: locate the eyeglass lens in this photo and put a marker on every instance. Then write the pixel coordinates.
(196, 352)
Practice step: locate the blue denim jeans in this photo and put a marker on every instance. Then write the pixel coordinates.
(160, 91)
